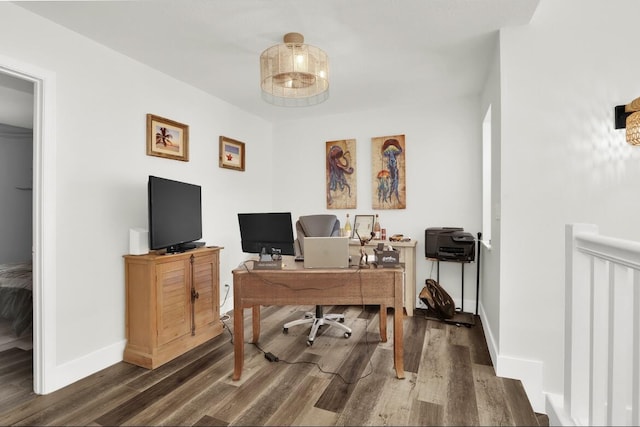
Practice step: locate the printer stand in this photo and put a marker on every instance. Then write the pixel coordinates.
(462, 263)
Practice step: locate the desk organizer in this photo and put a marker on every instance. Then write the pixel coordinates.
(387, 258)
(268, 265)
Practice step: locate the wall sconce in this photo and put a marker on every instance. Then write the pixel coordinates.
(628, 116)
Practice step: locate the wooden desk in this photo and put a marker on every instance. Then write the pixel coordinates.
(407, 257)
(295, 285)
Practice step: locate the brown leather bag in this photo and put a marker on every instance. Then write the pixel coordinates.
(437, 300)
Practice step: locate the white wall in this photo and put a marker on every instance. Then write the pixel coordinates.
(490, 257)
(443, 149)
(16, 106)
(562, 160)
(101, 172)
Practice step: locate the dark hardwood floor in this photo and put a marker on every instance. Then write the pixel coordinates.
(337, 381)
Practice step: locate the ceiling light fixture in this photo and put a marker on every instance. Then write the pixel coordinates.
(628, 116)
(294, 74)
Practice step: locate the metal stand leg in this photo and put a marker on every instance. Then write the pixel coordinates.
(462, 284)
(478, 272)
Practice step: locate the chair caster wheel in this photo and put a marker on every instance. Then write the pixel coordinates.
(347, 334)
(285, 330)
(309, 343)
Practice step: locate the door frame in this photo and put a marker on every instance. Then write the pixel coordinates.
(44, 219)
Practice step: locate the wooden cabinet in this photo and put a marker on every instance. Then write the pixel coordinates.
(172, 304)
(407, 257)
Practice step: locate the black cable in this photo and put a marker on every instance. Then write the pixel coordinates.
(226, 315)
(272, 358)
(227, 328)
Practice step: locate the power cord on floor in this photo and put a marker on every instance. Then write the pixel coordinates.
(273, 358)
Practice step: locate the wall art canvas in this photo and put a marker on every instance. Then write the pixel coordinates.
(341, 174)
(389, 189)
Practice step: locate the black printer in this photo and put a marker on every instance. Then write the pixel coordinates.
(449, 244)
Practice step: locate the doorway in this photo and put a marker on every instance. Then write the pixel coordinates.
(43, 254)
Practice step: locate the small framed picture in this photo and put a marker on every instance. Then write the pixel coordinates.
(167, 138)
(363, 226)
(231, 154)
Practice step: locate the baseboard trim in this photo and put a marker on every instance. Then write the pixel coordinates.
(77, 369)
(529, 372)
(489, 335)
(556, 412)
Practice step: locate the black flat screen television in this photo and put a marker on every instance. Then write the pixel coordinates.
(268, 231)
(175, 214)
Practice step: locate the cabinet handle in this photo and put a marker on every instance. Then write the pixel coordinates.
(194, 296)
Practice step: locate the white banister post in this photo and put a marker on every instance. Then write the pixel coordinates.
(635, 357)
(577, 334)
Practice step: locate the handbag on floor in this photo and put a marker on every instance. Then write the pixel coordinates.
(437, 300)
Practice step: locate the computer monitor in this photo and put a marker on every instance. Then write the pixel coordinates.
(264, 232)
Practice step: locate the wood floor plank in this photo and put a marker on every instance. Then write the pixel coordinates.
(233, 405)
(210, 421)
(518, 403)
(192, 412)
(317, 417)
(394, 403)
(367, 391)
(433, 374)
(299, 403)
(84, 412)
(47, 405)
(414, 331)
(210, 375)
(138, 403)
(460, 408)
(152, 377)
(474, 339)
(12, 395)
(425, 414)
(13, 355)
(454, 383)
(337, 394)
(490, 397)
(276, 394)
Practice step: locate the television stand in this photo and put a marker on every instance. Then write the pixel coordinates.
(172, 304)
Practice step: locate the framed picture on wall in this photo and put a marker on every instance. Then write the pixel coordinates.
(231, 154)
(167, 138)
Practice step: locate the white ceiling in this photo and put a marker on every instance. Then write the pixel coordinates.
(381, 52)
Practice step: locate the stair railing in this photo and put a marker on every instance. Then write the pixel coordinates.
(602, 328)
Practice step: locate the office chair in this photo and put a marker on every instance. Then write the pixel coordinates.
(317, 226)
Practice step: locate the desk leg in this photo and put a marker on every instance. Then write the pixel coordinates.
(383, 323)
(255, 316)
(238, 341)
(398, 336)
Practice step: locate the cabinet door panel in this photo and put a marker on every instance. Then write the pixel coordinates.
(206, 284)
(173, 300)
